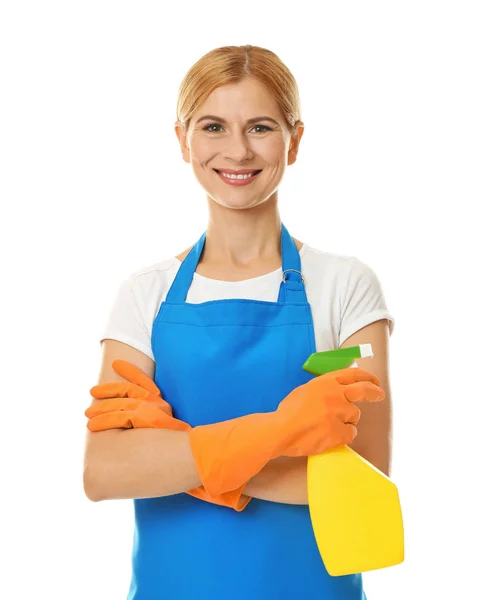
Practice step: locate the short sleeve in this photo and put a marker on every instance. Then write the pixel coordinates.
(363, 302)
(126, 321)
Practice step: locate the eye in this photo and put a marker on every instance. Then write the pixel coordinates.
(264, 127)
(207, 128)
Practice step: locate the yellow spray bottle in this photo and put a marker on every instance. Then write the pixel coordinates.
(354, 507)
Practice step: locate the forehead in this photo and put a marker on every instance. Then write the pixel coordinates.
(241, 100)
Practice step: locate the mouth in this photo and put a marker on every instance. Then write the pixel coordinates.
(239, 180)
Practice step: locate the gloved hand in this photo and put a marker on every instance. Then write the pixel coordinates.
(314, 417)
(137, 402)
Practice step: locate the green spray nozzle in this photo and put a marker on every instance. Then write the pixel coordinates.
(319, 363)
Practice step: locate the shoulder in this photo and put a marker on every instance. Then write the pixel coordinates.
(330, 264)
(322, 257)
(137, 302)
(155, 274)
(144, 289)
(339, 277)
(325, 268)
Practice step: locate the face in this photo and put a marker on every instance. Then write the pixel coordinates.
(233, 142)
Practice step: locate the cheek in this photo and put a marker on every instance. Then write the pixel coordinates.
(201, 155)
(273, 151)
(201, 147)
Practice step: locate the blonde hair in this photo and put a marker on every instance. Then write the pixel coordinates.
(231, 64)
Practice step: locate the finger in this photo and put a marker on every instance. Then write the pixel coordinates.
(113, 420)
(129, 419)
(346, 412)
(135, 375)
(110, 405)
(176, 424)
(352, 414)
(343, 433)
(350, 432)
(166, 407)
(118, 389)
(353, 374)
(363, 391)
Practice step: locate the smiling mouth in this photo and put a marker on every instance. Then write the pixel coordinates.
(255, 172)
(238, 181)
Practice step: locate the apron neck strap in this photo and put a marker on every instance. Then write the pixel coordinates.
(292, 289)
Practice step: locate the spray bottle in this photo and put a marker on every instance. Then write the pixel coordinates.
(354, 507)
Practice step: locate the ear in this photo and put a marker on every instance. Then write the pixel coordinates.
(183, 141)
(295, 142)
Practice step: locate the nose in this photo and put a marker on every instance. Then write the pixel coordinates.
(237, 148)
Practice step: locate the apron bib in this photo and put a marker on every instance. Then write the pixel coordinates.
(219, 360)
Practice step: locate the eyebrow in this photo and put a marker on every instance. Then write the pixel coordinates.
(221, 120)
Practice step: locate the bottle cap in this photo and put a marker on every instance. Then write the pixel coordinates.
(366, 350)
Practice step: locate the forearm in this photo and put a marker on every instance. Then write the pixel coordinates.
(283, 479)
(149, 463)
(139, 463)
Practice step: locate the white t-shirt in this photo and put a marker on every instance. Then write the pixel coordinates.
(344, 294)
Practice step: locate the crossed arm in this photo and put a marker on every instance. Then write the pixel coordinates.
(283, 479)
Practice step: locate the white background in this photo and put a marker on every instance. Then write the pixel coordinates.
(93, 187)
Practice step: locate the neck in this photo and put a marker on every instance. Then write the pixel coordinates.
(240, 238)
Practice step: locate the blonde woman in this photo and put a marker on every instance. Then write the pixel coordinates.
(202, 413)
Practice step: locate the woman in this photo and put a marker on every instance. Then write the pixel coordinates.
(214, 451)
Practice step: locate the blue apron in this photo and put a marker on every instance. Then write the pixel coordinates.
(220, 360)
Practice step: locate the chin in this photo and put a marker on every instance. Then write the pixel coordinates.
(240, 201)
(234, 205)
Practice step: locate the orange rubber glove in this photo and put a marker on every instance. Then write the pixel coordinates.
(137, 402)
(314, 417)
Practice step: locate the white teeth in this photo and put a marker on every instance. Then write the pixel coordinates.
(237, 176)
